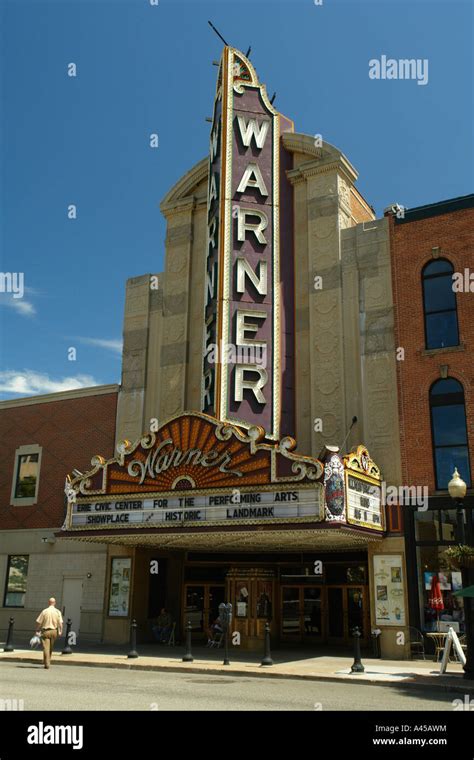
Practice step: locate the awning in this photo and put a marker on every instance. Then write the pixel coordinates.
(296, 537)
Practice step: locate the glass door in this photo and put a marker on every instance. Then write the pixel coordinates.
(312, 613)
(301, 613)
(194, 607)
(355, 610)
(201, 606)
(215, 596)
(290, 612)
(336, 628)
(347, 608)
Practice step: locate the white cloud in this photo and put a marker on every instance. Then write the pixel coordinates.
(110, 345)
(30, 383)
(25, 308)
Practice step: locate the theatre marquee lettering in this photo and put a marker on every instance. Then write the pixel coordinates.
(202, 508)
(364, 502)
(243, 342)
(166, 455)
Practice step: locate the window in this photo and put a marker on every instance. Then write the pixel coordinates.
(448, 424)
(26, 475)
(432, 562)
(17, 573)
(439, 299)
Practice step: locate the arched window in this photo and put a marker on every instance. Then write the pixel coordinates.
(439, 300)
(448, 425)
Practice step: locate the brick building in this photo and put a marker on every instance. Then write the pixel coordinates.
(432, 252)
(42, 439)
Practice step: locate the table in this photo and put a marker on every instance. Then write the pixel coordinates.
(439, 638)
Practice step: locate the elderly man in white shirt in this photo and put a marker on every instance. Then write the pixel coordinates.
(50, 622)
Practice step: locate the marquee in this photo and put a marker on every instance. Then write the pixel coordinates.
(196, 470)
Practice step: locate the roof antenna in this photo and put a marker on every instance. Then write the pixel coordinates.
(248, 51)
(273, 98)
(218, 33)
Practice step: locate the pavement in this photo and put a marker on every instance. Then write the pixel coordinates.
(70, 689)
(310, 665)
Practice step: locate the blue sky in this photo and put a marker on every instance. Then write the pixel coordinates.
(145, 69)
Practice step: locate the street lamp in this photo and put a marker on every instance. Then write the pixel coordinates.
(457, 490)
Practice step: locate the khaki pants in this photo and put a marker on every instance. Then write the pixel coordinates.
(48, 638)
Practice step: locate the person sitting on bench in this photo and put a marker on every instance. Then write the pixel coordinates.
(162, 627)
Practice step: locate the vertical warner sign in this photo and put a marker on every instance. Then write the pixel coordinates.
(248, 302)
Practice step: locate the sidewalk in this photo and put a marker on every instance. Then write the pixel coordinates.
(295, 664)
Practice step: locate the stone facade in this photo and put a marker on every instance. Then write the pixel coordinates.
(344, 346)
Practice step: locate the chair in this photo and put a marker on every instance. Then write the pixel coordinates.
(417, 642)
(439, 640)
(171, 639)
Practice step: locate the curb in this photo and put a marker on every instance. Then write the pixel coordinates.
(263, 672)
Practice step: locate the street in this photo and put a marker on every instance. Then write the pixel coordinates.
(85, 688)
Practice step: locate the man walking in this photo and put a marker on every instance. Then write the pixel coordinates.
(50, 622)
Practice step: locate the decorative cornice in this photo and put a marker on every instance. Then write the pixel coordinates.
(313, 168)
(183, 189)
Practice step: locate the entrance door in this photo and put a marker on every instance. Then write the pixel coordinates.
(347, 607)
(201, 605)
(72, 600)
(302, 613)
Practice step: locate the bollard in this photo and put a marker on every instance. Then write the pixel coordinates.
(226, 645)
(133, 640)
(187, 655)
(67, 648)
(357, 666)
(8, 643)
(267, 655)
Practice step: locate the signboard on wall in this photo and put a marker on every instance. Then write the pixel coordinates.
(363, 490)
(364, 502)
(389, 587)
(119, 594)
(249, 293)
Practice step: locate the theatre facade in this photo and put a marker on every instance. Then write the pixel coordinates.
(257, 420)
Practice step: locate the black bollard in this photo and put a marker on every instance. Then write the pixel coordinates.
(67, 647)
(226, 646)
(187, 655)
(133, 640)
(8, 643)
(357, 666)
(267, 655)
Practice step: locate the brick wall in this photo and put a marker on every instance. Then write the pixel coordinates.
(71, 431)
(412, 246)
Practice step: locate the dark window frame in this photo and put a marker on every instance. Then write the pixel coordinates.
(18, 471)
(442, 400)
(7, 579)
(426, 313)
